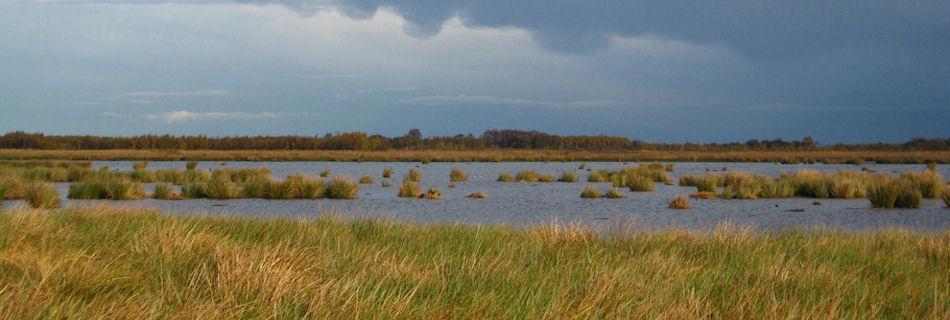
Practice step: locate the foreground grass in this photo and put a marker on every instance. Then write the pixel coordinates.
(827, 156)
(102, 262)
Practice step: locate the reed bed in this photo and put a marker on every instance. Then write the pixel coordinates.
(103, 262)
(458, 174)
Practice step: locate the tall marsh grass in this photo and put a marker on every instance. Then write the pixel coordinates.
(342, 188)
(111, 263)
(409, 189)
(41, 195)
(164, 191)
(414, 175)
(591, 191)
(527, 176)
(112, 189)
(568, 176)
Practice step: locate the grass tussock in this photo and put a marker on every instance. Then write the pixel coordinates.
(615, 193)
(342, 188)
(591, 191)
(547, 178)
(680, 203)
(41, 195)
(505, 176)
(10, 188)
(527, 176)
(477, 195)
(414, 175)
(568, 176)
(191, 165)
(433, 194)
(670, 167)
(640, 184)
(385, 184)
(164, 191)
(367, 180)
(387, 172)
(458, 174)
(409, 189)
(946, 196)
(112, 189)
(601, 175)
(325, 173)
(101, 262)
(139, 165)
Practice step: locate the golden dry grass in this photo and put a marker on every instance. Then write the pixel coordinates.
(109, 263)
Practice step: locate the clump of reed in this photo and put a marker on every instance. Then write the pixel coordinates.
(142, 175)
(591, 191)
(301, 186)
(195, 190)
(385, 184)
(680, 203)
(110, 189)
(894, 194)
(458, 174)
(342, 188)
(367, 180)
(221, 187)
(325, 173)
(581, 166)
(240, 175)
(527, 176)
(601, 175)
(164, 191)
(640, 184)
(41, 195)
(409, 189)
(414, 175)
(191, 165)
(139, 165)
(568, 176)
(670, 167)
(477, 195)
(433, 194)
(387, 172)
(505, 176)
(547, 178)
(929, 182)
(615, 193)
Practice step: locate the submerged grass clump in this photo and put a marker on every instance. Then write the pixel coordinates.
(342, 188)
(367, 179)
(387, 172)
(41, 195)
(409, 189)
(458, 174)
(591, 191)
(477, 195)
(505, 176)
(547, 178)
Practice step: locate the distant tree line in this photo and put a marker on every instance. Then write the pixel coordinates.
(490, 139)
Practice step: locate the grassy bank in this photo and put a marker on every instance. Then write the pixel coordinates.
(103, 262)
(826, 156)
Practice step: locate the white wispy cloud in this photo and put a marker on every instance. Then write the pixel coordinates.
(181, 116)
(112, 114)
(440, 100)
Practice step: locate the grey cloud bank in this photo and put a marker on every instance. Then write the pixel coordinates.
(857, 71)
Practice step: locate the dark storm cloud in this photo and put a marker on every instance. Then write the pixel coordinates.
(761, 29)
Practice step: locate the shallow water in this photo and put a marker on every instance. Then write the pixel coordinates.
(521, 204)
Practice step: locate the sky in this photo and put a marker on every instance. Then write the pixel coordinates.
(656, 71)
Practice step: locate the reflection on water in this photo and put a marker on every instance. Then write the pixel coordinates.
(534, 203)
